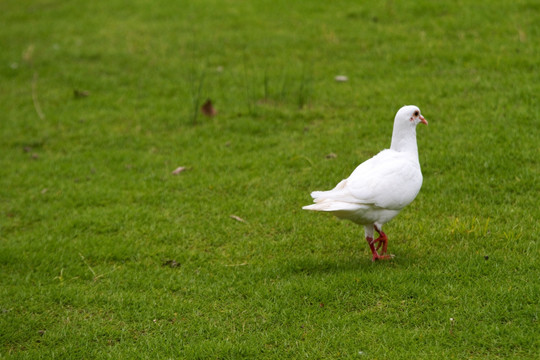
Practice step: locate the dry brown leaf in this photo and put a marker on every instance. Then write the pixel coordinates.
(522, 35)
(28, 53)
(237, 218)
(178, 170)
(171, 263)
(80, 93)
(207, 109)
(331, 156)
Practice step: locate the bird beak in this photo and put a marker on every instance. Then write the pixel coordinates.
(422, 120)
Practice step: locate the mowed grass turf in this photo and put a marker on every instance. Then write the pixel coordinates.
(104, 253)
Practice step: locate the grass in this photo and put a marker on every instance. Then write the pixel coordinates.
(106, 254)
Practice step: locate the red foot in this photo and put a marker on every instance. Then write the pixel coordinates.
(383, 242)
(382, 257)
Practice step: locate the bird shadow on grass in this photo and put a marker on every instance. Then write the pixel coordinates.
(314, 266)
(359, 263)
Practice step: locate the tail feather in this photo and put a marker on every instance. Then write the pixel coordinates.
(339, 193)
(335, 200)
(332, 206)
(317, 195)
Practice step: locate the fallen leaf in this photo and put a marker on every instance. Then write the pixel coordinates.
(522, 35)
(331, 156)
(341, 78)
(237, 218)
(207, 109)
(80, 93)
(178, 170)
(28, 54)
(171, 263)
(44, 190)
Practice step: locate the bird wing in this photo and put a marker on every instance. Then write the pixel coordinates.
(389, 180)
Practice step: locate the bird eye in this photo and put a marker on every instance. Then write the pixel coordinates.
(416, 113)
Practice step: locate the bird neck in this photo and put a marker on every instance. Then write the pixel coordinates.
(404, 139)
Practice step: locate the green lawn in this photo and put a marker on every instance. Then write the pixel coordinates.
(104, 253)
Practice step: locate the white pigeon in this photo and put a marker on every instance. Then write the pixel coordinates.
(380, 187)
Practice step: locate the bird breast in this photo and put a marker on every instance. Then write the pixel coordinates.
(391, 184)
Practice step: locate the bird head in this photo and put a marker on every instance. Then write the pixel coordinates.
(411, 114)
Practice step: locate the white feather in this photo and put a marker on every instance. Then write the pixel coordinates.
(380, 187)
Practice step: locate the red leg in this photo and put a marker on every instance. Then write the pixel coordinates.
(376, 256)
(382, 240)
